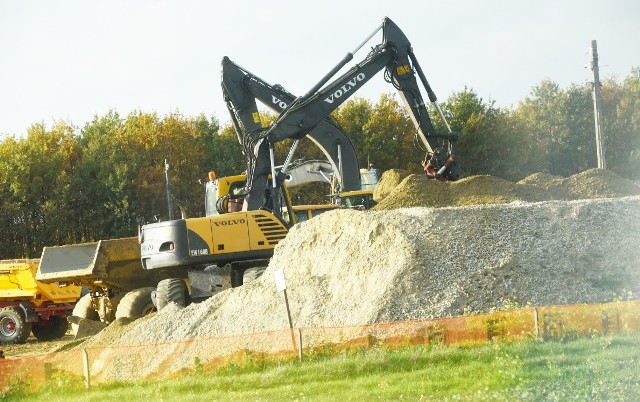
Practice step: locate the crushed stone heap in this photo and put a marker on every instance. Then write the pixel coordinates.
(350, 267)
(419, 191)
(389, 180)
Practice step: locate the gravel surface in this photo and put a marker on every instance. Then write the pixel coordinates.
(34, 346)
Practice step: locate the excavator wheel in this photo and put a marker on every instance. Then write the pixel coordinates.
(171, 290)
(13, 326)
(84, 309)
(135, 304)
(53, 328)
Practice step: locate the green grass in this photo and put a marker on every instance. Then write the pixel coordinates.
(606, 368)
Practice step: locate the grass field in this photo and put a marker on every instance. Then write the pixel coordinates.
(594, 369)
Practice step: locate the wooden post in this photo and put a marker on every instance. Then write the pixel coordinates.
(299, 345)
(281, 286)
(48, 371)
(597, 104)
(293, 337)
(85, 364)
(169, 192)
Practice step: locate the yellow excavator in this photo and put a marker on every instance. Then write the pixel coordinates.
(241, 243)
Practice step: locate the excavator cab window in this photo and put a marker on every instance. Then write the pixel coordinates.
(214, 191)
(301, 216)
(235, 204)
(210, 198)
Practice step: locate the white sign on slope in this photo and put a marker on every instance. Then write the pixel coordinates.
(278, 275)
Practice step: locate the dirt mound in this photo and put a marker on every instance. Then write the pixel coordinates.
(419, 191)
(422, 263)
(497, 248)
(388, 181)
(599, 183)
(590, 184)
(539, 179)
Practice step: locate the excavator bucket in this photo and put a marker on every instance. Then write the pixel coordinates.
(108, 267)
(111, 264)
(71, 261)
(86, 327)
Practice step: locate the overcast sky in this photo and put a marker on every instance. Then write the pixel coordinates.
(71, 60)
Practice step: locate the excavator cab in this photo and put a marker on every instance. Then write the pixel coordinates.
(217, 188)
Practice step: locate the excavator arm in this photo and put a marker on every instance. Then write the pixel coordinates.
(302, 115)
(241, 89)
(395, 56)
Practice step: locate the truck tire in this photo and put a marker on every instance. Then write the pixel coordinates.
(135, 304)
(84, 309)
(171, 290)
(14, 328)
(53, 328)
(251, 274)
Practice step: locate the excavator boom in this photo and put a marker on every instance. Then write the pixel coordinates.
(241, 90)
(395, 56)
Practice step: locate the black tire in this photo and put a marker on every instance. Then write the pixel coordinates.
(84, 309)
(135, 304)
(14, 328)
(251, 274)
(53, 328)
(171, 290)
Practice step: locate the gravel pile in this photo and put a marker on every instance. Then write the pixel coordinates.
(389, 180)
(417, 256)
(418, 191)
(350, 267)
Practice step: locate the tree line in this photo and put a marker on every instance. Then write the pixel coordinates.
(69, 184)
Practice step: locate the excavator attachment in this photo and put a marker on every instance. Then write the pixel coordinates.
(108, 269)
(85, 327)
(113, 264)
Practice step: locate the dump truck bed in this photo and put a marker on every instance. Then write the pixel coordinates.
(106, 263)
(18, 282)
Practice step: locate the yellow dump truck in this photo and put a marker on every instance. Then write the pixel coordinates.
(111, 272)
(29, 306)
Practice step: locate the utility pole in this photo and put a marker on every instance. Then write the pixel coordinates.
(169, 192)
(597, 104)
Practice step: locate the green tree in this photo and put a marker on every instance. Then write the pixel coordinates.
(37, 172)
(621, 125)
(353, 116)
(555, 123)
(475, 123)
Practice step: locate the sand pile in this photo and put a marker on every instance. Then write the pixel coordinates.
(350, 267)
(389, 180)
(590, 184)
(417, 190)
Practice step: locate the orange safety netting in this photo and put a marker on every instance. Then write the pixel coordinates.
(161, 359)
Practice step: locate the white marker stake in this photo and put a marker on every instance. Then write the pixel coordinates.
(281, 286)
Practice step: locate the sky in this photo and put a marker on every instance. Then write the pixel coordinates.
(71, 60)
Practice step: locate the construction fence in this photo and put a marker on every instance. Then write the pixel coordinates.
(165, 359)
